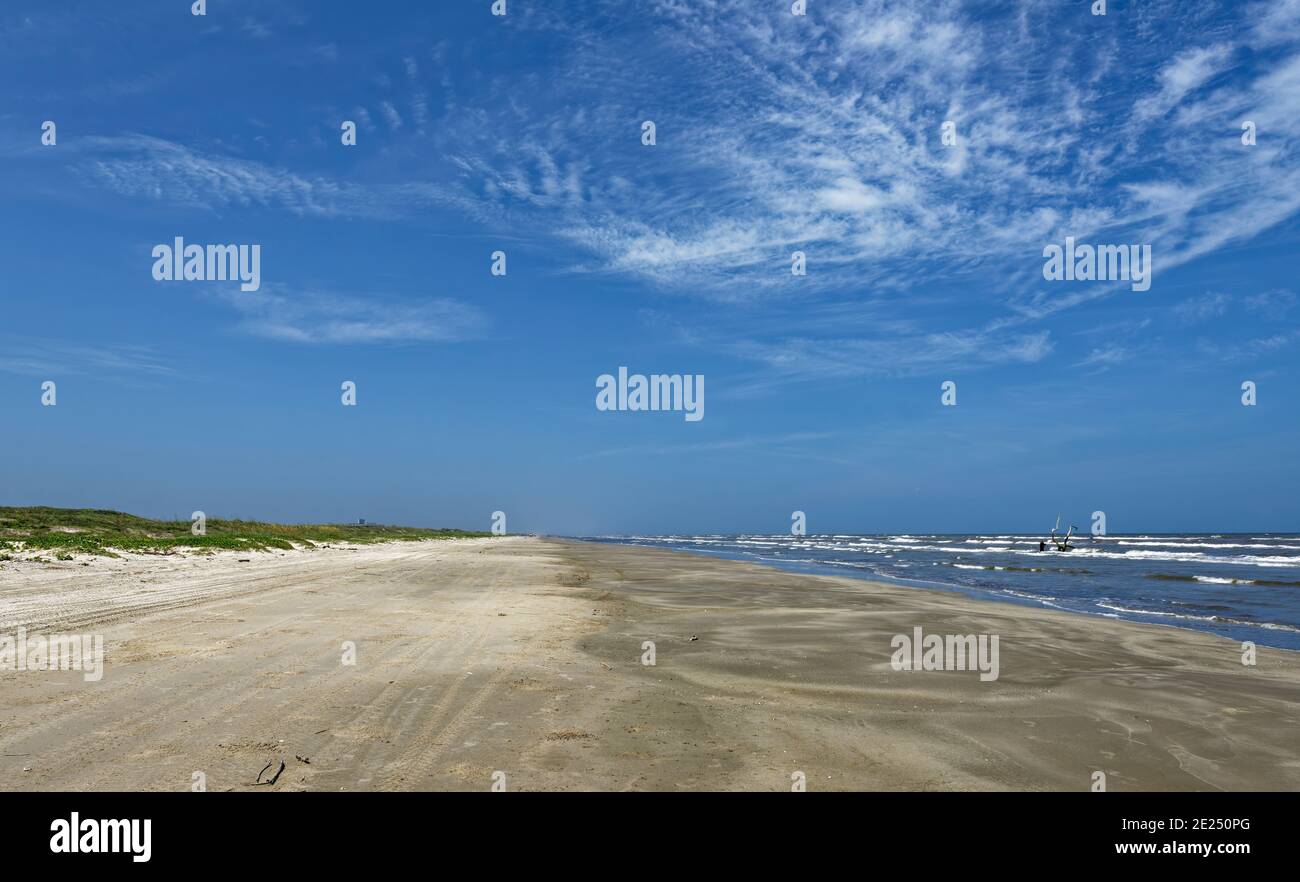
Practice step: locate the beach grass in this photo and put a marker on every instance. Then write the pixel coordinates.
(96, 531)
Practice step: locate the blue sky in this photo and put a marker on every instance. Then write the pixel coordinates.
(775, 133)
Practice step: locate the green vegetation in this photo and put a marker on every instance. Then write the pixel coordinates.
(91, 531)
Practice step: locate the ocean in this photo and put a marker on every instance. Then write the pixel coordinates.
(1242, 586)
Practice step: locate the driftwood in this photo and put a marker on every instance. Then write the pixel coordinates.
(274, 777)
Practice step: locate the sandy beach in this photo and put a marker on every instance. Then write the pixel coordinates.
(520, 660)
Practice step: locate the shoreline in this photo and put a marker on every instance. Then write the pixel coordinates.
(1088, 590)
(978, 595)
(524, 657)
(1153, 708)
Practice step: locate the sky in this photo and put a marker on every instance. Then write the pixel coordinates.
(774, 133)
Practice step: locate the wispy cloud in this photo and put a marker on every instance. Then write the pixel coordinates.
(1234, 352)
(391, 116)
(279, 313)
(256, 29)
(1198, 309)
(1273, 304)
(1106, 356)
(827, 140)
(146, 167)
(1186, 72)
(51, 359)
(894, 355)
(171, 174)
(789, 444)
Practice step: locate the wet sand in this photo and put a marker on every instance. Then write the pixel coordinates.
(519, 660)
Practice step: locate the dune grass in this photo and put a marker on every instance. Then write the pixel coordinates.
(96, 531)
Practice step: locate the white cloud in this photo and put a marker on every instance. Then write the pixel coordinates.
(51, 359)
(1207, 306)
(171, 174)
(391, 116)
(894, 355)
(1188, 71)
(822, 134)
(1106, 356)
(315, 317)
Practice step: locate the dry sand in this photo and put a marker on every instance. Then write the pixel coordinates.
(523, 656)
